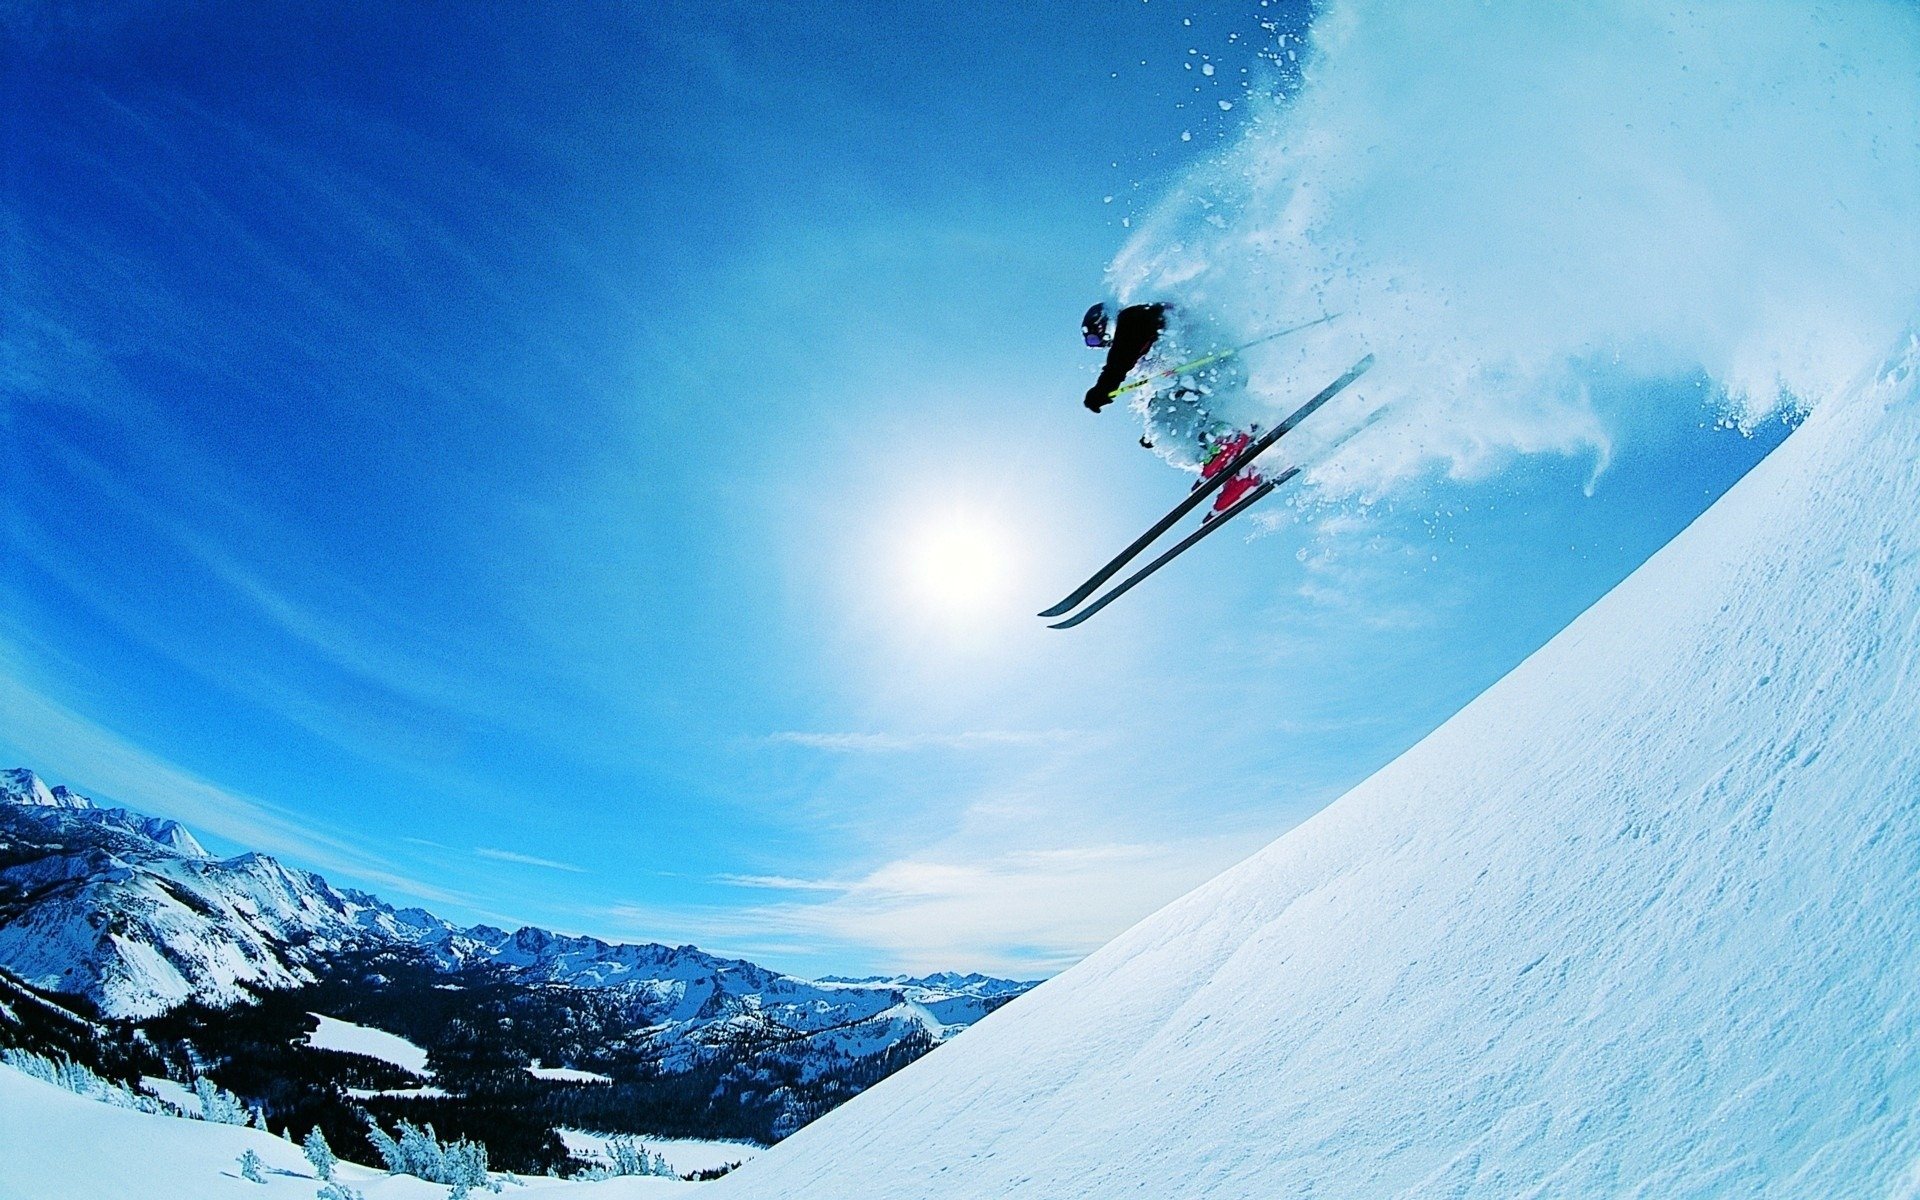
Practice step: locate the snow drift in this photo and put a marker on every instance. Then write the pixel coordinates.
(1513, 202)
(1640, 920)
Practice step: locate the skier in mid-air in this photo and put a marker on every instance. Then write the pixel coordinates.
(1176, 403)
(1182, 399)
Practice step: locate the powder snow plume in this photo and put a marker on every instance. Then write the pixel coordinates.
(1508, 199)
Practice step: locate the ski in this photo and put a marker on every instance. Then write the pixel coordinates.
(1180, 547)
(1206, 488)
(1187, 543)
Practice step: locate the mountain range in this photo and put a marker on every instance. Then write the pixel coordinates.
(130, 919)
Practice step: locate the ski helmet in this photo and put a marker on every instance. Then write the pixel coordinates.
(1097, 325)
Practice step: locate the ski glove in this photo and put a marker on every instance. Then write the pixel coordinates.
(1098, 398)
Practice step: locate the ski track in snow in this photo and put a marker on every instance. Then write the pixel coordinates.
(1638, 921)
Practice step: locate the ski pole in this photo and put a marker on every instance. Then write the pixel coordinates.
(1216, 356)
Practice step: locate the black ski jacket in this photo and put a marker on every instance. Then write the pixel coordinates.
(1134, 332)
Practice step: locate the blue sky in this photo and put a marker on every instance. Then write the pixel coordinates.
(493, 459)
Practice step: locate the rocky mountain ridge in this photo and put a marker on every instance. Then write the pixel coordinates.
(132, 913)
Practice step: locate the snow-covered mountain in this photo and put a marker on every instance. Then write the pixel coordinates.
(1640, 920)
(950, 982)
(942, 1003)
(133, 914)
(130, 912)
(21, 786)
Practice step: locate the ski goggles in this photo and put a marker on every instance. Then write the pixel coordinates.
(1096, 340)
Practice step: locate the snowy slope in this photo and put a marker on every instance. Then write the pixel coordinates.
(1640, 920)
(56, 1146)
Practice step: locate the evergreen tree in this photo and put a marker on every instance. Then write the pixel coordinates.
(419, 1152)
(464, 1164)
(319, 1154)
(76, 1078)
(385, 1147)
(219, 1105)
(627, 1157)
(250, 1167)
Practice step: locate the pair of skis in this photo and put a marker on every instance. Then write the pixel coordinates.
(1206, 488)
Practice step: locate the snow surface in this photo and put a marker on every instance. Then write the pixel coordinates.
(1639, 921)
(179, 1095)
(684, 1155)
(335, 1034)
(55, 1145)
(428, 1092)
(567, 1074)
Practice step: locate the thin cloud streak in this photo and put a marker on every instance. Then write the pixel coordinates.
(430, 681)
(899, 743)
(781, 883)
(514, 856)
(64, 741)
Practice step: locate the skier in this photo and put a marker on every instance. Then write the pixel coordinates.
(1177, 414)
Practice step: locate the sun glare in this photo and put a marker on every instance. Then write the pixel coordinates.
(959, 566)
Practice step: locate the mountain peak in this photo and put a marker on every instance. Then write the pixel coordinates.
(18, 785)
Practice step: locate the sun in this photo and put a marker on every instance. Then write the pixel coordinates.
(959, 565)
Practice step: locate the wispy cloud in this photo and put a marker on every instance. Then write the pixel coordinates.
(780, 883)
(899, 743)
(1021, 912)
(84, 300)
(514, 856)
(96, 759)
(365, 644)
